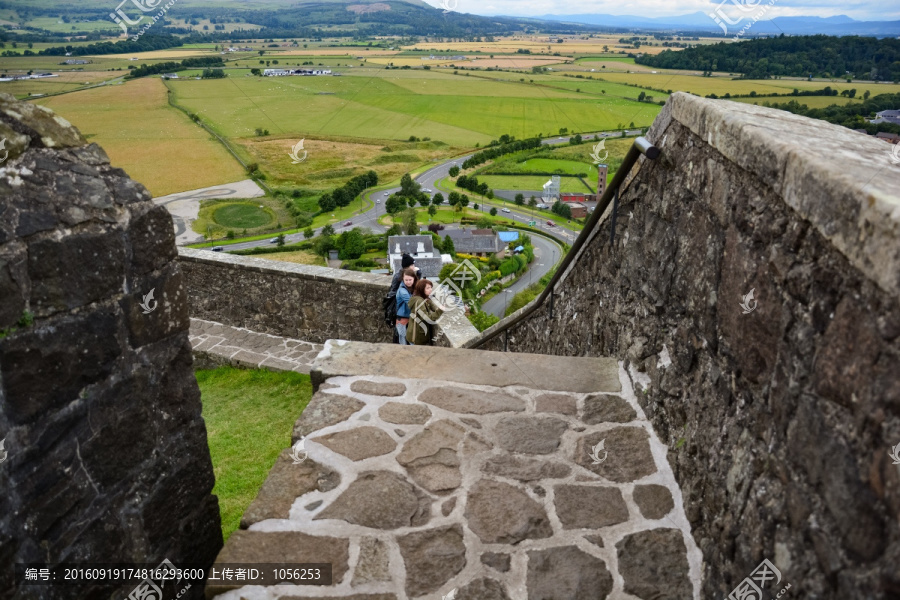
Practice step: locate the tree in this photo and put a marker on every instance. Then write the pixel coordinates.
(328, 230)
(280, 240)
(327, 203)
(432, 210)
(394, 204)
(308, 233)
(424, 200)
(411, 201)
(453, 198)
(494, 212)
(437, 199)
(255, 71)
(408, 187)
(463, 201)
(410, 225)
(520, 199)
(323, 245)
(448, 248)
(352, 246)
(454, 171)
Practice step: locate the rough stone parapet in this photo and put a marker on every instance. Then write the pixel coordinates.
(780, 408)
(216, 344)
(105, 457)
(414, 487)
(305, 302)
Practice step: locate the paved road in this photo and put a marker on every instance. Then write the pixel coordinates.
(546, 254)
(428, 180)
(185, 206)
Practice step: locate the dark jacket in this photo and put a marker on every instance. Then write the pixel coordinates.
(423, 313)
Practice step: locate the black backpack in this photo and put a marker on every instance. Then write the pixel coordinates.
(389, 305)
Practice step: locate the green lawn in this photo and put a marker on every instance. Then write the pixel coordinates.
(242, 216)
(249, 416)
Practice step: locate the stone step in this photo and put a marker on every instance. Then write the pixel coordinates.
(432, 473)
(540, 371)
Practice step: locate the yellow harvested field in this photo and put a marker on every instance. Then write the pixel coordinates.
(156, 144)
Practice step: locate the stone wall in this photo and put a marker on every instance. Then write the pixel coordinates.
(304, 302)
(106, 456)
(779, 417)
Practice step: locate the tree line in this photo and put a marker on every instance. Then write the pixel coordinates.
(849, 115)
(145, 43)
(345, 194)
(506, 145)
(173, 67)
(794, 56)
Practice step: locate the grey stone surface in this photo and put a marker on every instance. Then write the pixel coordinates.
(498, 561)
(556, 403)
(606, 408)
(431, 458)
(589, 507)
(432, 557)
(457, 365)
(655, 501)
(105, 455)
(567, 573)
(482, 589)
(285, 483)
(216, 344)
(402, 413)
(530, 435)
(525, 469)
(380, 500)
(462, 400)
(374, 562)
(654, 564)
(628, 458)
(499, 513)
(377, 388)
(359, 443)
(324, 409)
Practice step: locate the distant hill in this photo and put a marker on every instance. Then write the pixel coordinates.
(702, 22)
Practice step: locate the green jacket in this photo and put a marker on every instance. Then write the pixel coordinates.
(419, 331)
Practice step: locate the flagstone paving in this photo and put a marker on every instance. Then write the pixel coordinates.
(413, 487)
(216, 344)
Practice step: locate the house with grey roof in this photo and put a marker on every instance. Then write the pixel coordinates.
(421, 248)
(478, 242)
(887, 116)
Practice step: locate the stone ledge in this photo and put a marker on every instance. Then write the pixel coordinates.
(458, 365)
(261, 265)
(841, 181)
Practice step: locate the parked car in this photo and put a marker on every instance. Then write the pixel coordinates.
(426, 190)
(348, 223)
(387, 193)
(218, 248)
(378, 201)
(550, 223)
(273, 241)
(541, 205)
(505, 210)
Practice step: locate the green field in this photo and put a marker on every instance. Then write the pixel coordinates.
(569, 185)
(242, 216)
(372, 103)
(249, 416)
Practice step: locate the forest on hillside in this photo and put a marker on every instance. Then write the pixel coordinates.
(849, 115)
(792, 56)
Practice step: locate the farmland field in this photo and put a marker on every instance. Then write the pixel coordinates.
(155, 144)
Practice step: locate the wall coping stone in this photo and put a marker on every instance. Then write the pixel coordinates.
(806, 161)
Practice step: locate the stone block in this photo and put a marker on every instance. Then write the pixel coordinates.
(432, 557)
(567, 573)
(654, 564)
(499, 513)
(324, 410)
(380, 500)
(589, 507)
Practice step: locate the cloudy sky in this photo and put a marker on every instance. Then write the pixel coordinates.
(863, 10)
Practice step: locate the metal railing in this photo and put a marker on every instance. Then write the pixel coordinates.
(641, 146)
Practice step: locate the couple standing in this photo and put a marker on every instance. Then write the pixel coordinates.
(416, 310)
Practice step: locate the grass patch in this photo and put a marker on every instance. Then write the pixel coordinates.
(300, 257)
(249, 416)
(241, 216)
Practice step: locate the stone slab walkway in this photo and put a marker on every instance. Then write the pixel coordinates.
(217, 344)
(416, 487)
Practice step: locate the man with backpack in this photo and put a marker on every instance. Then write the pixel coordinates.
(389, 303)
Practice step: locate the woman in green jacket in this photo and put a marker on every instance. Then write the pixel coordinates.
(423, 313)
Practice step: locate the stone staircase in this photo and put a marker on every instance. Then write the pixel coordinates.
(436, 473)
